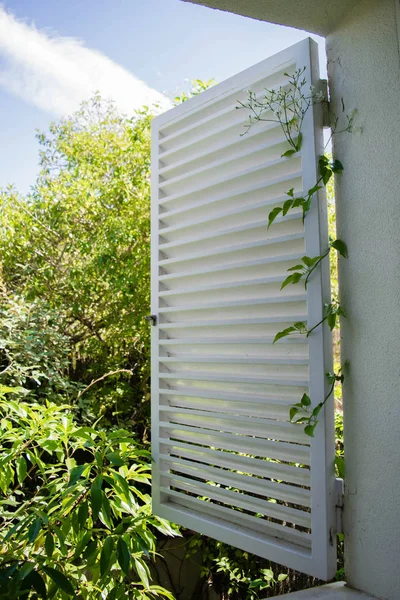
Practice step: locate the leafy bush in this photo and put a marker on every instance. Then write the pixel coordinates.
(79, 244)
(34, 352)
(75, 510)
(239, 575)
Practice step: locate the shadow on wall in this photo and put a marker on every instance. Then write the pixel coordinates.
(181, 574)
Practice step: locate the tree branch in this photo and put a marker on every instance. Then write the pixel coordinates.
(94, 381)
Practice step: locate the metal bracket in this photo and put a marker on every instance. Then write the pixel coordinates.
(339, 503)
(322, 91)
(152, 319)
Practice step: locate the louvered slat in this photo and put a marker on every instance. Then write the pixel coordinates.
(227, 460)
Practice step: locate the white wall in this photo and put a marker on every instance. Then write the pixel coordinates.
(364, 70)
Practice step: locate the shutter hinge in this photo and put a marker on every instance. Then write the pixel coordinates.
(321, 93)
(339, 503)
(152, 319)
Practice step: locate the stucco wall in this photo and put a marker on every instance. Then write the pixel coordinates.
(364, 70)
(317, 16)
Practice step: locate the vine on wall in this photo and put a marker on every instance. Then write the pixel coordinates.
(288, 106)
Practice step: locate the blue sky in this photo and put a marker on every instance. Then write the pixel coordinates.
(54, 53)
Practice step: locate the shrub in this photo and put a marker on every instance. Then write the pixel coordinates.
(75, 510)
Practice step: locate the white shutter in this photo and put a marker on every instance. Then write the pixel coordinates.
(227, 461)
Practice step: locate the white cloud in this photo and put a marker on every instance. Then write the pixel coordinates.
(56, 73)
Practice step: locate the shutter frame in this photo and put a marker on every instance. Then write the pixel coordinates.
(320, 559)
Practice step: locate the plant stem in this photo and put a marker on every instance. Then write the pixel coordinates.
(315, 266)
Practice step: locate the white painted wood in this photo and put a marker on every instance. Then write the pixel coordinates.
(221, 391)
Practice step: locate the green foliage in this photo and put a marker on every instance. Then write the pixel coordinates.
(304, 202)
(75, 506)
(74, 495)
(303, 412)
(339, 457)
(327, 168)
(296, 328)
(197, 87)
(78, 246)
(309, 264)
(235, 574)
(34, 352)
(286, 105)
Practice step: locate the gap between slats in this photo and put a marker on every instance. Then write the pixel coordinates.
(239, 500)
(287, 452)
(247, 483)
(246, 464)
(264, 530)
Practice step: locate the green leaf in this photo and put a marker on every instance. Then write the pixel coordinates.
(105, 513)
(82, 543)
(314, 189)
(115, 459)
(310, 262)
(75, 474)
(288, 153)
(305, 400)
(83, 514)
(142, 572)
(317, 409)
(326, 175)
(287, 205)
(290, 192)
(309, 429)
(34, 529)
(337, 166)
(293, 278)
(296, 268)
(159, 591)
(306, 206)
(60, 580)
(331, 319)
(273, 214)
(105, 556)
(299, 141)
(256, 583)
(283, 333)
(302, 419)
(49, 544)
(22, 469)
(282, 576)
(268, 574)
(331, 377)
(341, 247)
(26, 568)
(123, 556)
(96, 496)
(35, 580)
(120, 485)
(298, 202)
(98, 458)
(339, 462)
(90, 551)
(293, 412)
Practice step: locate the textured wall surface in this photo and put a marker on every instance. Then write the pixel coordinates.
(317, 16)
(364, 71)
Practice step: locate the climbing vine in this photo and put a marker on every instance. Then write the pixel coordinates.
(288, 106)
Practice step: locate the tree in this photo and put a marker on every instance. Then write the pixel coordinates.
(79, 242)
